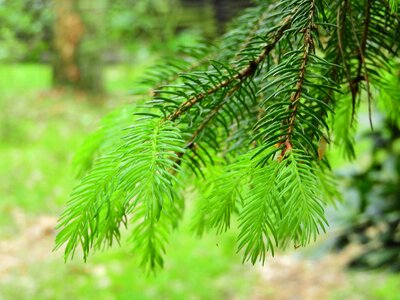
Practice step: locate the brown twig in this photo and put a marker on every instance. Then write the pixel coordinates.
(295, 97)
(362, 64)
(191, 142)
(341, 31)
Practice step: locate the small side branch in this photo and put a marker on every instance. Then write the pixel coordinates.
(210, 116)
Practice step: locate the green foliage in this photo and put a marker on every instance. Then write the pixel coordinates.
(40, 130)
(25, 30)
(389, 104)
(259, 106)
(345, 127)
(136, 178)
(283, 204)
(145, 19)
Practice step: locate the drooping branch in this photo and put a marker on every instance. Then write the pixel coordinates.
(239, 77)
(296, 95)
(280, 203)
(363, 44)
(341, 25)
(362, 64)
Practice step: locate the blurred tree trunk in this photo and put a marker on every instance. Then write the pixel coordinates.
(78, 43)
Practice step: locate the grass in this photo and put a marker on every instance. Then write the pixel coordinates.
(194, 270)
(17, 78)
(39, 134)
(370, 286)
(40, 130)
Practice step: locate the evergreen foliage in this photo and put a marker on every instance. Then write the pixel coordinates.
(251, 118)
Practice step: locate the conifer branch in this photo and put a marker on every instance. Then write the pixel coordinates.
(240, 76)
(362, 60)
(276, 80)
(362, 65)
(295, 97)
(341, 25)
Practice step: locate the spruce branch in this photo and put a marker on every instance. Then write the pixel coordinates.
(283, 204)
(341, 23)
(137, 173)
(296, 95)
(253, 116)
(239, 76)
(260, 215)
(362, 47)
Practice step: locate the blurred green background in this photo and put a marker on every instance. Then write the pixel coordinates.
(63, 65)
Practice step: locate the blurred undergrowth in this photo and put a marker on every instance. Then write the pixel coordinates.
(40, 130)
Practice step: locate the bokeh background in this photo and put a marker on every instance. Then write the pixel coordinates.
(66, 63)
